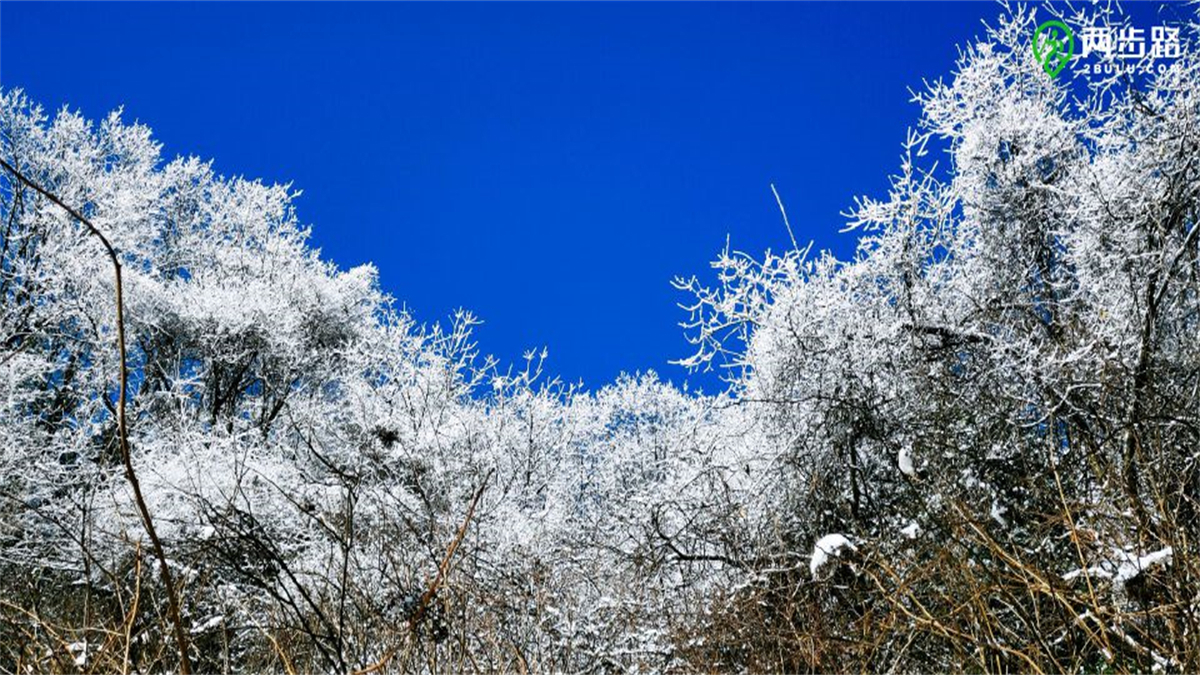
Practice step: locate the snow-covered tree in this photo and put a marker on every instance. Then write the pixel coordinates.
(972, 445)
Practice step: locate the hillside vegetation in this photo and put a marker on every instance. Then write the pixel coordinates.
(974, 446)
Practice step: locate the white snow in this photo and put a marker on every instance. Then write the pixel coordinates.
(829, 545)
(1124, 565)
(386, 425)
(905, 462)
(80, 651)
(998, 511)
(208, 625)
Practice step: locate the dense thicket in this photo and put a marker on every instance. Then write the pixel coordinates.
(972, 446)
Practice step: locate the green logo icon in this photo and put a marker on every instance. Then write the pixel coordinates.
(1053, 46)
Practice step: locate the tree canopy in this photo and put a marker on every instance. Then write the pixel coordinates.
(974, 445)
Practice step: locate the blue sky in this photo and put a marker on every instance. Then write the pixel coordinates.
(549, 166)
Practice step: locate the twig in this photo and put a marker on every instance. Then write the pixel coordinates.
(137, 594)
(438, 578)
(181, 642)
(783, 212)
